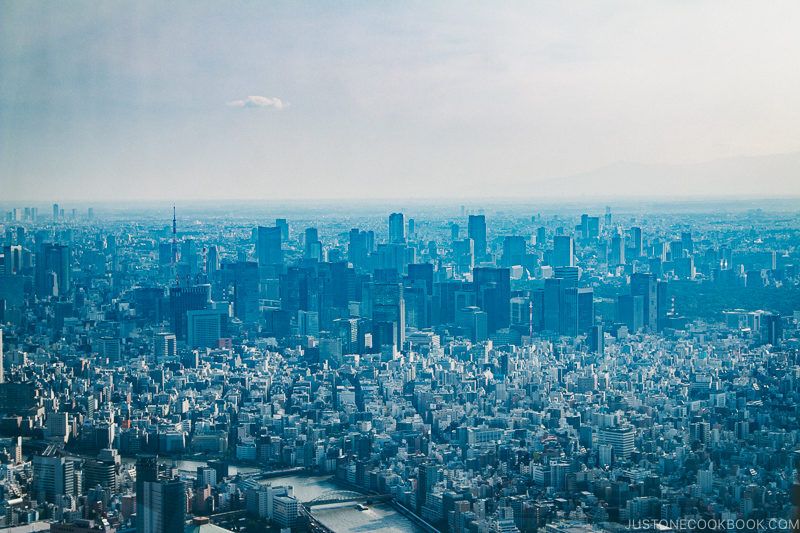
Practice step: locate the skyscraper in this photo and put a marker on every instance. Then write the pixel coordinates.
(52, 476)
(644, 285)
(563, 251)
(397, 228)
(183, 299)
(53, 270)
(616, 252)
(312, 248)
(514, 249)
(493, 290)
(476, 229)
(636, 241)
(164, 506)
(268, 247)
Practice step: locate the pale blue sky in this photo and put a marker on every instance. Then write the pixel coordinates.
(151, 100)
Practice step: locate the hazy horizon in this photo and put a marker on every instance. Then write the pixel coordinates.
(306, 101)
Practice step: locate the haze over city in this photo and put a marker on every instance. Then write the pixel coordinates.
(151, 101)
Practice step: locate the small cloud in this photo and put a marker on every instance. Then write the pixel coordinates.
(260, 101)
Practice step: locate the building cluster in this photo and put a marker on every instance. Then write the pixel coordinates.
(498, 371)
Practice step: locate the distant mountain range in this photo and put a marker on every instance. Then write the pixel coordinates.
(776, 175)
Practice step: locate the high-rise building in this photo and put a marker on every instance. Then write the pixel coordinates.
(476, 230)
(359, 248)
(464, 255)
(616, 252)
(397, 228)
(242, 278)
(182, 300)
(620, 438)
(493, 291)
(388, 314)
(164, 506)
(644, 285)
(636, 241)
(53, 270)
(283, 224)
(164, 346)
(204, 328)
(52, 477)
(268, 246)
(312, 247)
(563, 251)
(514, 250)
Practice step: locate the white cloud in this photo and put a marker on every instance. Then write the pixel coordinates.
(260, 101)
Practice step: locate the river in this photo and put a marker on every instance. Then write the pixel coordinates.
(380, 517)
(343, 517)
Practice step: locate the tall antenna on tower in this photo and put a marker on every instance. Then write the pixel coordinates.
(174, 237)
(175, 245)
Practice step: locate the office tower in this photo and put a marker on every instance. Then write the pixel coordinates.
(397, 228)
(616, 252)
(593, 224)
(541, 236)
(268, 247)
(474, 321)
(212, 261)
(283, 224)
(521, 313)
(102, 470)
(52, 477)
(421, 273)
(551, 304)
(53, 270)
(56, 212)
(2, 360)
(427, 477)
(12, 259)
(644, 285)
(686, 242)
(771, 329)
(514, 250)
(583, 227)
(308, 323)
(164, 506)
(662, 305)
(454, 230)
(576, 311)
(597, 341)
(358, 249)
(312, 248)
(493, 292)
(242, 278)
(636, 241)
(204, 328)
(164, 346)
(464, 255)
(388, 314)
(630, 311)
(146, 472)
(412, 228)
(476, 230)
(182, 300)
(620, 438)
(563, 251)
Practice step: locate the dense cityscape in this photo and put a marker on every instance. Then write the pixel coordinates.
(467, 368)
